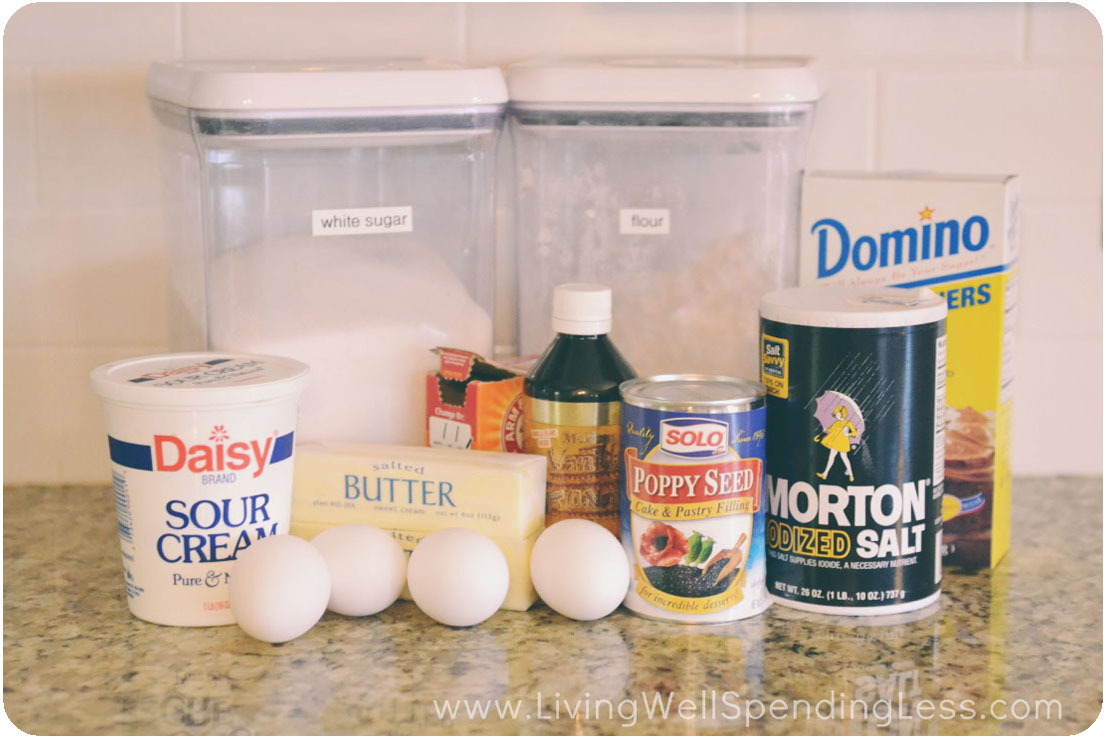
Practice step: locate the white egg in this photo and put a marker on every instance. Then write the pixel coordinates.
(367, 568)
(458, 576)
(580, 569)
(279, 588)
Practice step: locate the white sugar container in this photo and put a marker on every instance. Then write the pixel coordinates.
(339, 213)
(201, 461)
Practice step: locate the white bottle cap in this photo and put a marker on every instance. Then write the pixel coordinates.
(582, 309)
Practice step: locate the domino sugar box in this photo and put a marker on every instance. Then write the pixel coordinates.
(956, 234)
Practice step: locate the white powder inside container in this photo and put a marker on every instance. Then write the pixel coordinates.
(362, 311)
(700, 318)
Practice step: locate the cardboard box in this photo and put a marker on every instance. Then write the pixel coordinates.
(958, 236)
(473, 403)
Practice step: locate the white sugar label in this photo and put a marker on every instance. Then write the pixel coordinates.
(644, 221)
(360, 221)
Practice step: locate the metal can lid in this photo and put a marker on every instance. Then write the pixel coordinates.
(836, 306)
(693, 393)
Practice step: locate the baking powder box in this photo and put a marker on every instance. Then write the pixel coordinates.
(473, 403)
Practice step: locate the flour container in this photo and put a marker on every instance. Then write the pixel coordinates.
(674, 181)
(340, 214)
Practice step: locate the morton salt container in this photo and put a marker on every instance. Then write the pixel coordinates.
(692, 500)
(674, 181)
(336, 213)
(856, 426)
(201, 464)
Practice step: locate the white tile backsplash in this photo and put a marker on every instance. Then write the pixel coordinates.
(19, 137)
(1065, 32)
(87, 278)
(955, 87)
(95, 140)
(845, 119)
(1058, 407)
(888, 31)
(324, 30)
(1044, 123)
(500, 33)
(53, 34)
(1060, 295)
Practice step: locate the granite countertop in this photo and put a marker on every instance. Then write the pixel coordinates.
(75, 661)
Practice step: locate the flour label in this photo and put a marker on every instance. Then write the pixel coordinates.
(644, 221)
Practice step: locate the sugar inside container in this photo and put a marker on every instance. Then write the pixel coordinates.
(674, 181)
(337, 213)
(201, 449)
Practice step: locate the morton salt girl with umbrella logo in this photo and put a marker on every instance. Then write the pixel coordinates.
(841, 428)
(855, 457)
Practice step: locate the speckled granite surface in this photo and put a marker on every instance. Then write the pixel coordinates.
(75, 661)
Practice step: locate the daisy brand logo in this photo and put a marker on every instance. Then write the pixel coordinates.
(929, 239)
(171, 453)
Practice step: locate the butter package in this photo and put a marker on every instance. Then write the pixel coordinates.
(956, 234)
(473, 403)
(412, 492)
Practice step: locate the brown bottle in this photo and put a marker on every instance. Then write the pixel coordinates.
(572, 408)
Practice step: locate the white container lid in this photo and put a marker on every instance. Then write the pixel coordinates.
(658, 81)
(292, 85)
(853, 307)
(199, 380)
(582, 309)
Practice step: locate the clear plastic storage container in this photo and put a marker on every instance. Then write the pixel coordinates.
(674, 181)
(340, 214)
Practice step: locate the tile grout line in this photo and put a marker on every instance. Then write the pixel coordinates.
(463, 32)
(742, 37)
(877, 99)
(178, 37)
(1023, 23)
(133, 349)
(32, 113)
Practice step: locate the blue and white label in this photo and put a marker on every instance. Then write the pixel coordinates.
(837, 248)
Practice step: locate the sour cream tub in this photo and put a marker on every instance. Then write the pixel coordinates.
(201, 461)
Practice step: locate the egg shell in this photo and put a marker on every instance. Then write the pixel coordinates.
(458, 576)
(279, 588)
(580, 569)
(367, 568)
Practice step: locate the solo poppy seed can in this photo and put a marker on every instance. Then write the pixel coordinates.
(855, 460)
(692, 497)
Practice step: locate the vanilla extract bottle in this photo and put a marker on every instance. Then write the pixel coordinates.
(572, 408)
